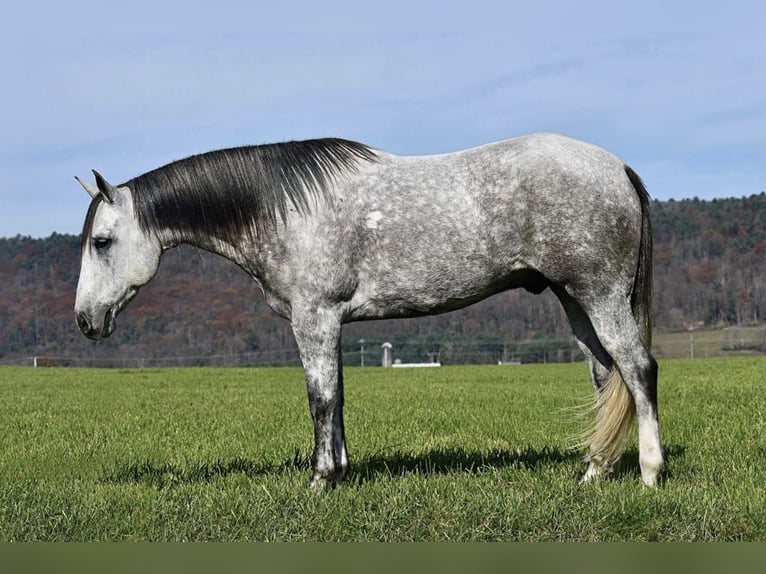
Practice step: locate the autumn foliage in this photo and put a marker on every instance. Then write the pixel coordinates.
(709, 260)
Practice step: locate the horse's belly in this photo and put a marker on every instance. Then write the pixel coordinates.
(407, 295)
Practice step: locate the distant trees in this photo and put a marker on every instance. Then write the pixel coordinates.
(710, 269)
(710, 259)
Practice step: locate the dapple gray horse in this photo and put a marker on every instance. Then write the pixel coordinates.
(334, 231)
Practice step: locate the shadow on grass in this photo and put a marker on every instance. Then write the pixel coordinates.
(370, 468)
(164, 475)
(373, 467)
(454, 460)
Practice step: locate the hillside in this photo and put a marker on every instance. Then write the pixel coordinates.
(710, 270)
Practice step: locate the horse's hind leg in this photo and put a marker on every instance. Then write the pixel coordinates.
(599, 360)
(618, 334)
(609, 337)
(339, 429)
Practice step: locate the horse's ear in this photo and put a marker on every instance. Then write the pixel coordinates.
(105, 188)
(91, 189)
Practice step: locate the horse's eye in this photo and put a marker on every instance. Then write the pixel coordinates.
(102, 243)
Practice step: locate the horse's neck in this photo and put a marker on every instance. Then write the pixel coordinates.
(244, 255)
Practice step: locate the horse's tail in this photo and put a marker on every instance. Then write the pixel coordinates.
(615, 408)
(641, 296)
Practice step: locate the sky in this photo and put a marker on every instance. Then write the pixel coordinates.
(676, 89)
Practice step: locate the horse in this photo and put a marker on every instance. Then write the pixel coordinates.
(335, 231)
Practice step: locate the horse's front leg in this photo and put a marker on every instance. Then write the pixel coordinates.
(317, 333)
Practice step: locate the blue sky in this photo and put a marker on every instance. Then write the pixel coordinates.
(677, 89)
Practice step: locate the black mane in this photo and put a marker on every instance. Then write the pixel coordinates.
(231, 192)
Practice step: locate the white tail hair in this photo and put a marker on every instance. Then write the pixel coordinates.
(615, 410)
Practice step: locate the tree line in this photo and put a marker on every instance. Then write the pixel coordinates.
(709, 271)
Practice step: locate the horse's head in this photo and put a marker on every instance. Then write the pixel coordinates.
(118, 257)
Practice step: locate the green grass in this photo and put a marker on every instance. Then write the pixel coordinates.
(456, 453)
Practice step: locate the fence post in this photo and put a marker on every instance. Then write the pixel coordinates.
(388, 354)
(691, 342)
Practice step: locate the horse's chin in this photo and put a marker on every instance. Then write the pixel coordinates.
(110, 318)
(110, 322)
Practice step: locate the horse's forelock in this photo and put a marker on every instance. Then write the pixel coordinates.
(87, 228)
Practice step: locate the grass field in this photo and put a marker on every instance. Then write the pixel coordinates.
(456, 453)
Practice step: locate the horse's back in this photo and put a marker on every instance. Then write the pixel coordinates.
(515, 204)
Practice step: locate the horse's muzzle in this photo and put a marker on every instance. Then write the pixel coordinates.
(87, 328)
(95, 331)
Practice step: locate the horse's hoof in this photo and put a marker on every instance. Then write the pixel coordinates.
(319, 483)
(650, 468)
(649, 479)
(594, 473)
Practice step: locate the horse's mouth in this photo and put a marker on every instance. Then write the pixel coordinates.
(132, 292)
(110, 322)
(110, 317)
